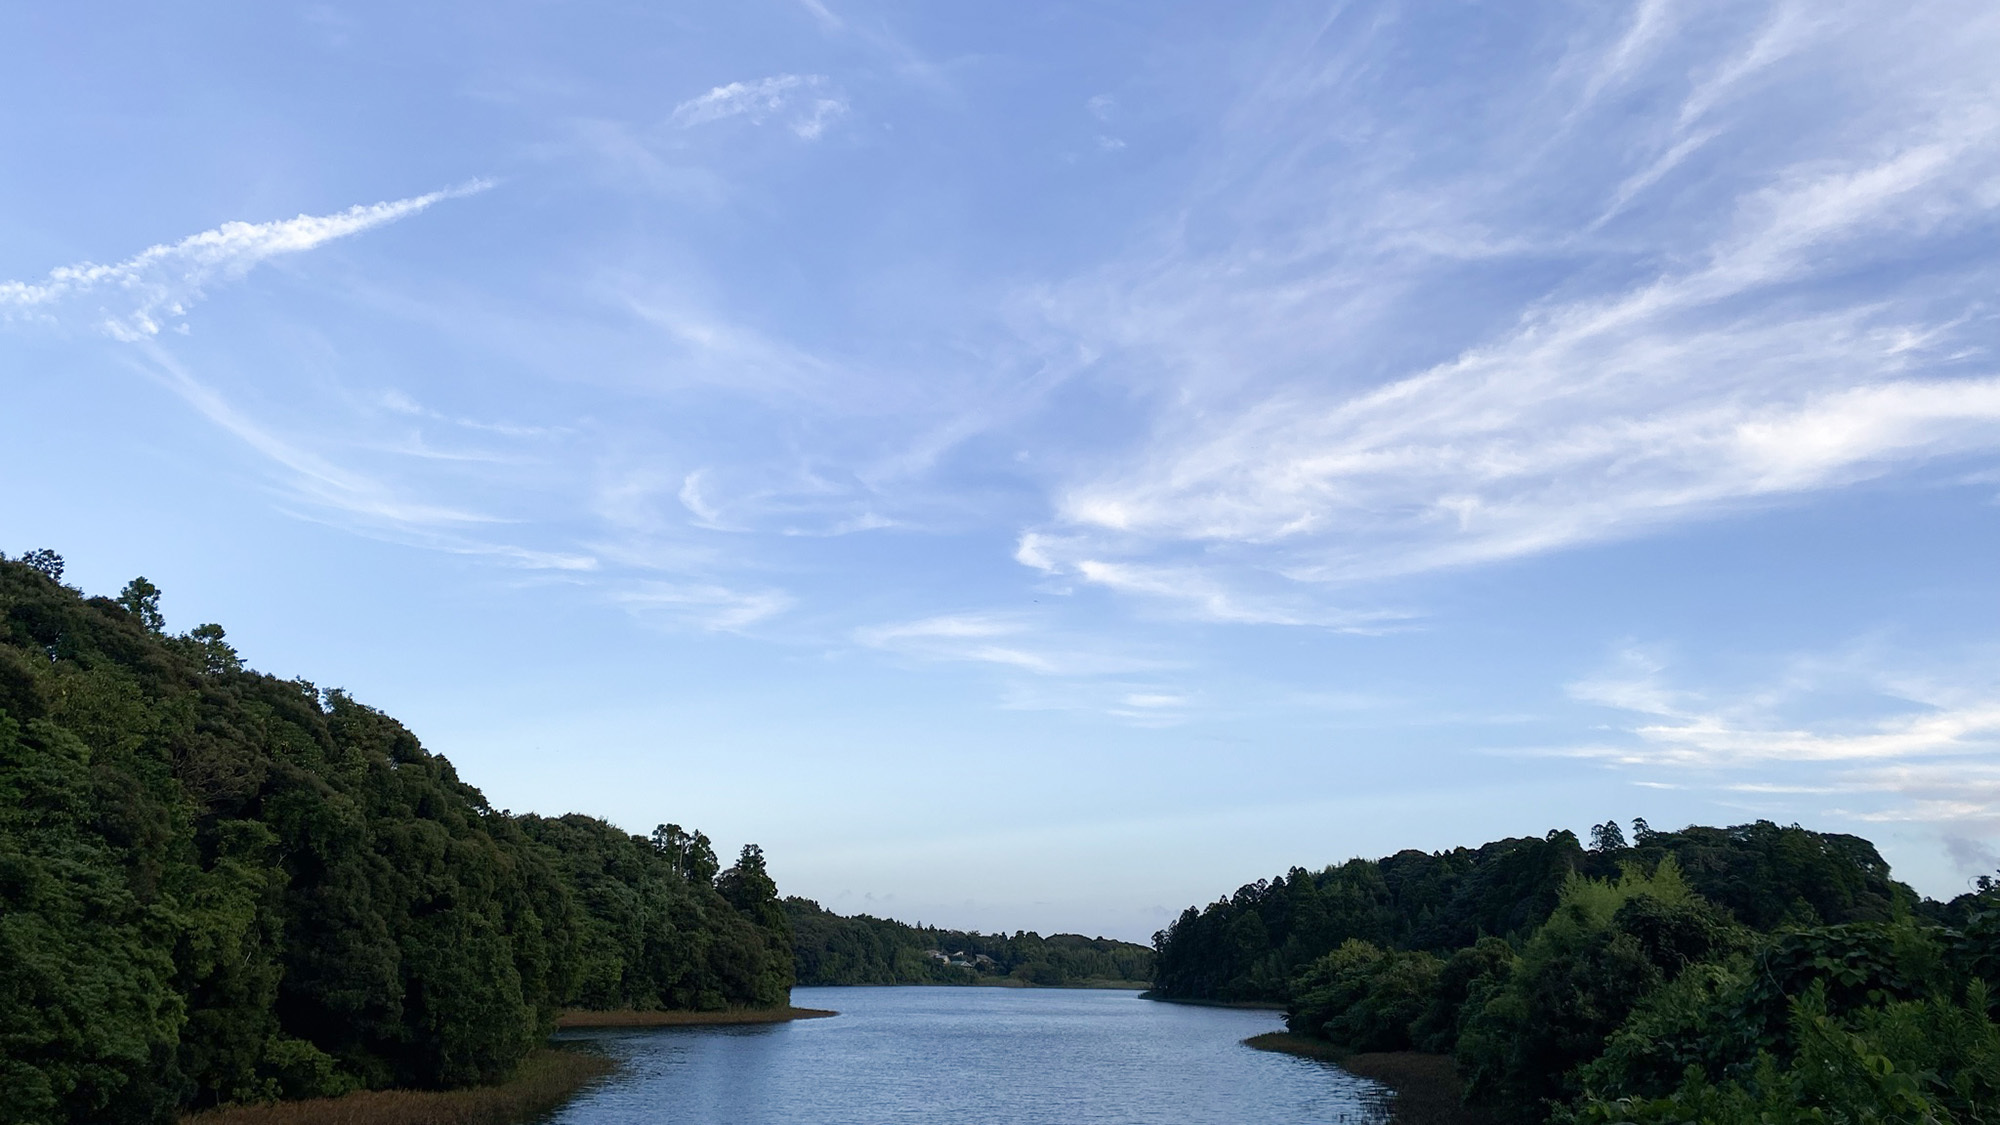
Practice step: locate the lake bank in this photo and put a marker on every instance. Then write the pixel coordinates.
(631, 1017)
(545, 1081)
(1002, 982)
(1240, 1005)
(1427, 1087)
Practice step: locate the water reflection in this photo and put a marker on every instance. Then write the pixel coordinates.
(980, 1056)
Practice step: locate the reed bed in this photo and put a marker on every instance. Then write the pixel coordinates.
(545, 1080)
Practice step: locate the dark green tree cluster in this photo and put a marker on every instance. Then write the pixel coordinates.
(216, 885)
(1754, 974)
(1253, 944)
(832, 949)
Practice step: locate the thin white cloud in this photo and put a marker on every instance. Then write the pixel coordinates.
(692, 499)
(1145, 705)
(133, 301)
(1789, 722)
(363, 502)
(809, 125)
(977, 638)
(712, 607)
(317, 478)
(142, 295)
(1965, 796)
(946, 627)
(1861, 735)
(1196, 592)
(828, 21)
(799, 97)
(1008, 640)
(1805, 327)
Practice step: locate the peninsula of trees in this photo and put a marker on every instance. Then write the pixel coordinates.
(1755, 974)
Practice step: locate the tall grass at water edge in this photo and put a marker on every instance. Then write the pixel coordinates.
(546, 1080)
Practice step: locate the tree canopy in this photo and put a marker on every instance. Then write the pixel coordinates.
(217, 885)
(859, 949)
(1754, 974)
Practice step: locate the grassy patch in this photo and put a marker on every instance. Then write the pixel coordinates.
(545, 1080)
(578, 1017)
(1426, 1086)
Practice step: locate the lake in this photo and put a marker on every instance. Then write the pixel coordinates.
(971, 1056)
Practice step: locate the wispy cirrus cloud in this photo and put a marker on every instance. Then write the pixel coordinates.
(1010, 640)
(1683, 728)
(139, 296)
(804, 100)
(1696, 316)
(713, 607)
(1862, 734)
(135, 300)
(1052, 668)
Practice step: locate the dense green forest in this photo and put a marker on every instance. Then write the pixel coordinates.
(834, 949)
(1755, 974)
(216, 885)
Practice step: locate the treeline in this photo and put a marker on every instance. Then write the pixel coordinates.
(216, 885)
(1748, 974)
(832, 949)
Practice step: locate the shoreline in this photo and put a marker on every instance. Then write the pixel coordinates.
(1244, 1005)
(1424, 1088)
(546, 1080)
(628, 1017)
(1100, 985)
(998, 982)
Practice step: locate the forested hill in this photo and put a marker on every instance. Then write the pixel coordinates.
(1753, 974)
(834, 949)
(217, 885)
(1250, 945)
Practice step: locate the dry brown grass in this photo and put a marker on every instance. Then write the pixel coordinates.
(578, 1017)
(1426, 1086)
(546, 1079)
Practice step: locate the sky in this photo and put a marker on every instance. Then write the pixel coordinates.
(1040, 466)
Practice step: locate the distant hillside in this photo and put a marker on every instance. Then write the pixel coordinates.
(216, 885)
(829, 948)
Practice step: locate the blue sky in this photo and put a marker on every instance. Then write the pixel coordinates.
(1038, 466)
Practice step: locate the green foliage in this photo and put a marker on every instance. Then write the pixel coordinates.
(219, 886)
(1364, 998)
(91, 1020)
(1927, 1062)
(860, 949)
(1761, 875)
(141, 599)
(1754, 974)
(649, 937)
(1466, 982)
(1608, 944)
(1858, 964)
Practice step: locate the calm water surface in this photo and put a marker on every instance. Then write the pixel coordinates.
(976, 1056)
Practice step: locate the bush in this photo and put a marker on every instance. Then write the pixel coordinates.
(1364, 998)
(1579, 977)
